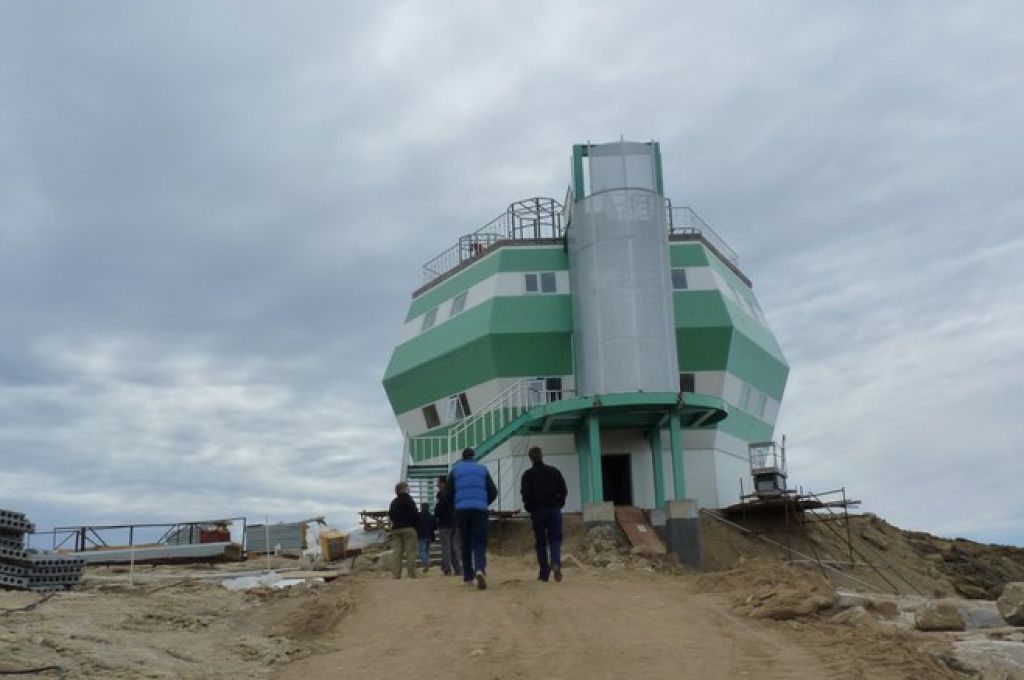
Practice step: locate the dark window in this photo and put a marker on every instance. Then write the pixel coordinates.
(531, 282)
(686, 382)
(547, 282)
(431, 417)
(428, 319)
(679, 279)
(553, 387)
(540, 282)
(458, 304)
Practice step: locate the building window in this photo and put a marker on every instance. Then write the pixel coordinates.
(679, 279)
(744, 397)
(687, 382)
(540, 282)
(760, 401)
(428, 320)
(545, 390)
(458, 304)
(430, 416)
(458, 406)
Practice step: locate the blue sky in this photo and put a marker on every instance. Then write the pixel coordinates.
(212, 218)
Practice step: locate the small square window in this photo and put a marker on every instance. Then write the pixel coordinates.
(687, 382)
(679, 279)
(744, 397)
(458, 406)
(428, 319)
(553, 387)
(531, 282)
(430, 416)
(458, 304)
(547, 282)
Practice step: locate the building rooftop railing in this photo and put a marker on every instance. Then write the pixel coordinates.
(685, 220)
(545, 218)
(530, 219)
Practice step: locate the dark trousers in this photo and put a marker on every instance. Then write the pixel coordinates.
(547, 530)
(472, 526)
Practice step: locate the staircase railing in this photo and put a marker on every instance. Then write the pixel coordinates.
(509, 404)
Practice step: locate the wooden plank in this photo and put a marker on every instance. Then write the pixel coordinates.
(638, 531)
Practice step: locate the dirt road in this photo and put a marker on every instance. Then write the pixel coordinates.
(595, 624)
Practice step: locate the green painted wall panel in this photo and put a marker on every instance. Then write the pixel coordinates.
(688, 255)
(533, 355)
(532, 314)
(749, 362)
(754, 330)
(703, 349)
(487, 358)
(505, 259)
(464, 328)
(445, 375)
(745, 426)
(700, 309)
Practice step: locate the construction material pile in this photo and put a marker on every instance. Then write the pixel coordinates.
(28, 569)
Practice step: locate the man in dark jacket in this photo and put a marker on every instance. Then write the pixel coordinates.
(444, 512)
(404, 519)
(543, 489)
(472, 489)
(425, 534)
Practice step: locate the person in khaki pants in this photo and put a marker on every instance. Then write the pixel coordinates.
(403, 531)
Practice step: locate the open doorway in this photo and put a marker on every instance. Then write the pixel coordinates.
(617, 479)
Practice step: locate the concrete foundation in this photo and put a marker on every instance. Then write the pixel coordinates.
(596, 514)
(682, 532)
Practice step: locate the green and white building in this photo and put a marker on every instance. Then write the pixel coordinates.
(615, 331)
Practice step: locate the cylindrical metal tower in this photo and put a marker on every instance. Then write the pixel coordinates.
(624, 329)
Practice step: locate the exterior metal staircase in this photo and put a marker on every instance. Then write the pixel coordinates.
(480, 430)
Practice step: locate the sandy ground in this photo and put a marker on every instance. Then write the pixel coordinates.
(622, 619)
(595, 624)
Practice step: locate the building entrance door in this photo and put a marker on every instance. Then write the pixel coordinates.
(617, 479)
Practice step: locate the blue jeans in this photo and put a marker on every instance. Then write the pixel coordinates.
(547, 530)
(424, 546)
(473, 530)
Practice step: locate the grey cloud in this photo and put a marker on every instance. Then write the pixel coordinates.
(212, 217)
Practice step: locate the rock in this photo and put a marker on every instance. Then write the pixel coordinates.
(971, 592)
(888, 609)
(991, 658)
(477, 652)
(937, 616)
(854, 616)
(789, 604)
(1011, 603)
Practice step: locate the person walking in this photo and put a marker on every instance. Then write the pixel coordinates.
(404, 520)
(472, 490)
(444, 513)
(543, 490)
(425, 535)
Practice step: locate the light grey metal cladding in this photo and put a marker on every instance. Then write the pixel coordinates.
(624, 337)
(286, 537)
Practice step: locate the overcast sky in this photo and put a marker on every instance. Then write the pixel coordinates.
(212, 216)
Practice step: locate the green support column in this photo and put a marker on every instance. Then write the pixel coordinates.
(583, 454)
(594, 443)
(659, 467)
(676, 443)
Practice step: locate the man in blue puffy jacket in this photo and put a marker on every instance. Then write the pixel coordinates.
(471, 487)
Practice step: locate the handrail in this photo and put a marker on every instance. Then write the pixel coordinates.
(685, 220)
(532, 218)
(509, 404)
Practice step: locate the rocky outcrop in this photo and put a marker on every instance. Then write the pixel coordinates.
(939, 616)
(1011, 604)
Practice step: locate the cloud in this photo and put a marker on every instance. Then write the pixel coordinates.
(212, 217)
